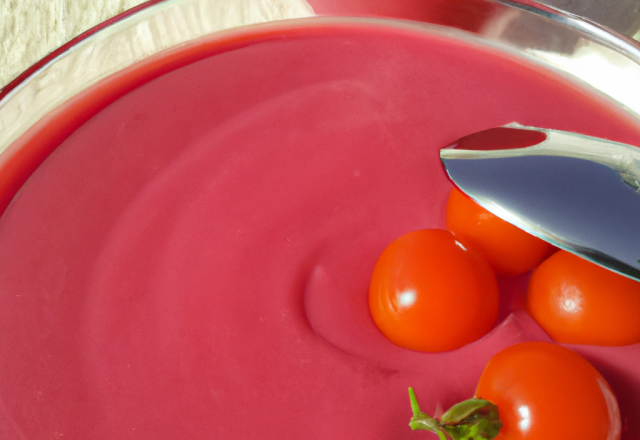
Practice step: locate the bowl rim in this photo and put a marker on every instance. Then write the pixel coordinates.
(28, 89)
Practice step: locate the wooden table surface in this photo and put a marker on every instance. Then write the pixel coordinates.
(31, 29)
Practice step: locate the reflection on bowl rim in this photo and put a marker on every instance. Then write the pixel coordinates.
(155, 29)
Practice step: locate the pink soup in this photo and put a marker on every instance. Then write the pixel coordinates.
(193, 261)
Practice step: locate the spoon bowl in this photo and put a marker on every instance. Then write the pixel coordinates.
(577, 192)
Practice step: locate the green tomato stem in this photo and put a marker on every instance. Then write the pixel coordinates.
(472, 419)
(415, 406)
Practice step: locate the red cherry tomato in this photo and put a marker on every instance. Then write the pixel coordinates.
(547, 392)
(578, 302)
(430, 293)
(509, 250)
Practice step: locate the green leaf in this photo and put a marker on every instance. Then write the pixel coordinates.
(420, 421)
(466, 409)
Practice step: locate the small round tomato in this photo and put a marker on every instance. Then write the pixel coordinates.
(578, 302)
(546, 391)
(430, 293)
(509, 249)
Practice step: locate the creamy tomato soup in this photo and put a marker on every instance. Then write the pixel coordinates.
(193, 261)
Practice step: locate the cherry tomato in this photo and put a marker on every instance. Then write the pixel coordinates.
(578, 302)
(509, 250)
(547, 392)
(430, 293)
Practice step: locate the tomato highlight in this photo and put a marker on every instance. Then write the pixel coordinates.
(430, 293)
(578, 302)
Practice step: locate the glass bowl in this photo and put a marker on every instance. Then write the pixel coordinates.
(193, 214)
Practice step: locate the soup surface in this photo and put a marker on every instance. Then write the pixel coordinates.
(193, 262)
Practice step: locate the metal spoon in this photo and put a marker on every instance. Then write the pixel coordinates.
(577, 192)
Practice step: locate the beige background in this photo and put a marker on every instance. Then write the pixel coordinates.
(30, 29)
